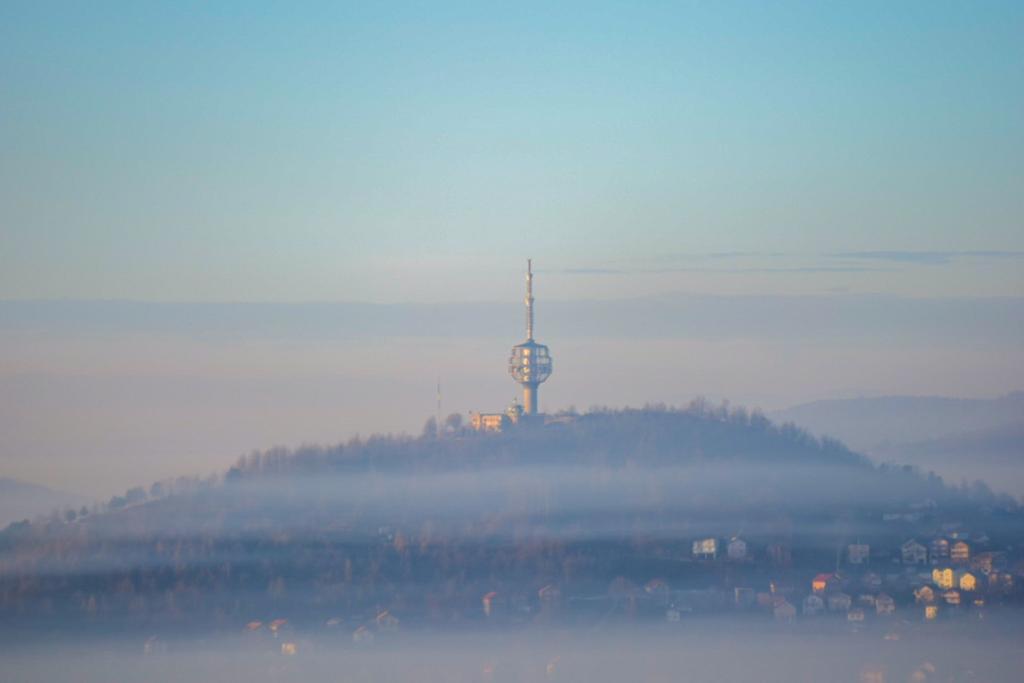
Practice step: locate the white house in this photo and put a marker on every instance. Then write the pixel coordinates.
(705, 548)
(872, 581)
(736, 550)
(784, 610)
(839, 602)
(939, 550)
(813, 604)
(858, 553)
(913, 552)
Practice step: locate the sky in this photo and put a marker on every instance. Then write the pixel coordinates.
(409, 151)
(738, 169)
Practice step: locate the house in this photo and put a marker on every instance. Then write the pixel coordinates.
(839, 602)
(784, 610)
(884, 604)
(154, 646)
(872, 581)
(967, 581)
(939, 550)
(984, 562)
(858, 553)
(951, 597)
(924, 594)
(866, 600)
(1000, 581)
(872, 675)
(489, 422)
(912, 517)
(705, 548)
(362, 636)
(813, 604)
(386, 621)
(736, 550)
(488, 603)
(943, 578)
(913, 552)
(960, 552)
(931, 612)
(824, 582)
(855, 615)
(672, 615)
(549, 594)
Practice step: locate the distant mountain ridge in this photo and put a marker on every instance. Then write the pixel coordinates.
(866, 423)
(1003, 443)
(959, 438)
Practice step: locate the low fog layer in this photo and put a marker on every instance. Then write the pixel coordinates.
(725, 651)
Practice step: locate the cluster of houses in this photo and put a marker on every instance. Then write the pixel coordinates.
(947, 571)
(831, 593)
(946, 574)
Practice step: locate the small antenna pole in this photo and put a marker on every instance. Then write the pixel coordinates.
(438, 423)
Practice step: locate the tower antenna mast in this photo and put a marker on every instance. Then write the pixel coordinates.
(529, 299)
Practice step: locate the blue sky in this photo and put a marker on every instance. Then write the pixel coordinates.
(419, 151)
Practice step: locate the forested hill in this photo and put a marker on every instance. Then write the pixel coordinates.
(652, 437)
(704, 461)
(703, 456)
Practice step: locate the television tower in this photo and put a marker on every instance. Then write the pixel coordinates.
(530, 363)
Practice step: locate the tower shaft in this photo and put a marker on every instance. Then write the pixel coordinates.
(530, 398)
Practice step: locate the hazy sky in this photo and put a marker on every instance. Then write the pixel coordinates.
(390, 152)
(847, 177)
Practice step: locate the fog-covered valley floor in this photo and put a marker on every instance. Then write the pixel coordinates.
(724, 649)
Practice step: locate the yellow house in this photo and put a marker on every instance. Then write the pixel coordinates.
(968, 582)
(943, 578)
(930, 612)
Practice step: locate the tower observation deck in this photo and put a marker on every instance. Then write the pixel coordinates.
(530, 362)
